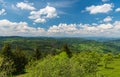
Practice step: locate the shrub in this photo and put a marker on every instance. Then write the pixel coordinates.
(6, 67)
(79, 65)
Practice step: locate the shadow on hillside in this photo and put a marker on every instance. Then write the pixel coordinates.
(20, 73)
(99, 65)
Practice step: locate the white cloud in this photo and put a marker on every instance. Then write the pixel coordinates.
(25, 6)
(104, 26)
(105, 0)
(117, 10)
(8, 28)
(2, 12)
(107, 30)
(78, 29)
(105, 8)
(43, 14)
(63, 29)
(107, 19)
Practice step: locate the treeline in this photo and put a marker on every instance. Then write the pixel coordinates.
(52, 44)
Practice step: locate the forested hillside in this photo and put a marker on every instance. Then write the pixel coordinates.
(57, 57)
(51, 44)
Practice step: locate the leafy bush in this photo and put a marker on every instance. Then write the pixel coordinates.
(13, 62)
(80, 65)
(6, 67)
(7, 63)
(20, 62)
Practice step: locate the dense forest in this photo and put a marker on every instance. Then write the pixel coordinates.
(59, 57)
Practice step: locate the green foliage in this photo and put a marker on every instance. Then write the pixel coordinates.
(20, 61)
(50, 66)
(76, 60)
(7, 63)
(67, 50)
(6, 51)
(88, 62)
(37, 54)
(12, 62)
(6, 67)
(107, 59)
(80, 65)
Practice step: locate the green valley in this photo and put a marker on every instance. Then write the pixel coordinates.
(59, 57)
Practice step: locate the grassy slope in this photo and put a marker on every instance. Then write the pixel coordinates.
(113, 69)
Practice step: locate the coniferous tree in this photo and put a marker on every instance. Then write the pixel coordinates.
(20, 61)
(6, 51)
(67, 50)
(13, 62)
(7, 63)
(37, 54)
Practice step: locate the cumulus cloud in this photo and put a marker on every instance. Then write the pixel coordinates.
(43, 14)
(117, 10)
(2, 12)
(62, 29)
(78, 30)
(25, 6)
(107, 19)
(8, 28)
(105, 8)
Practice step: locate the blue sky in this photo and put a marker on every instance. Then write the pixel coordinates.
(60, 18)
